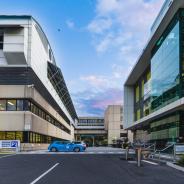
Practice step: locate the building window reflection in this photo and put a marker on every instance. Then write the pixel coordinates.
(2, 105)
(11, 105)
(20, 106)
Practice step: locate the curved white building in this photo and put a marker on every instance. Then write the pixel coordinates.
(35, 105)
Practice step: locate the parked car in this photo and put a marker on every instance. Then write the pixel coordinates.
(67, 146)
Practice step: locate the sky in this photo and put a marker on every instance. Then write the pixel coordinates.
(95, 43)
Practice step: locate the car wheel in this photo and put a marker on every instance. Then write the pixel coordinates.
(76, 150)
(53, 149)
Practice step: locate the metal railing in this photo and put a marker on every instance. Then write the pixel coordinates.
(164, 150)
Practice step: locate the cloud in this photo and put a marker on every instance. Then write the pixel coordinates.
(90, 103)
(119, 28)
(95, 81)
(121, 25)
(70, 24)
(99, 25)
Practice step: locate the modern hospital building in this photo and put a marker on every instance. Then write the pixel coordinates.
(154, 90)
(35, 105)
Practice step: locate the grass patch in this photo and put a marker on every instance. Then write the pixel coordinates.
(180, 162)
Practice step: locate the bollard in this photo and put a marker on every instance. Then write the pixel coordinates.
(174, 153)
(127, 150)
(139, 157)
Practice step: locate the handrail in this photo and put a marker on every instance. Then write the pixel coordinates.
(151, 146)
(164, 148)
(159, 151)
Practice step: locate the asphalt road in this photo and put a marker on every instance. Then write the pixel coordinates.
(82, 169)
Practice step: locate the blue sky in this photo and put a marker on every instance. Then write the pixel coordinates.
(99, 42)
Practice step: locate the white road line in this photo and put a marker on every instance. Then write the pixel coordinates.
(46, 172)
(7, 156)
(153, 163)
(132, 162)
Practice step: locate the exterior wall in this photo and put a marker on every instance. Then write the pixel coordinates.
(32, 147)
(29, 121)
(113, 120)
(12, 121)
(128, 111)
(72, 133)
(39, 59)
(94, 132)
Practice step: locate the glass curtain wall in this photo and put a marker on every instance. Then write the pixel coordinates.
(165, 74)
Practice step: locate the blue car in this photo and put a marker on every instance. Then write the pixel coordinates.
(67, 146)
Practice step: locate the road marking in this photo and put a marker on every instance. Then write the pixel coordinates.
(7, 156)
(46, 172)
(153, 163)
(132, 162)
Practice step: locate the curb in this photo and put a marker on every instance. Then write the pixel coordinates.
(175, 166)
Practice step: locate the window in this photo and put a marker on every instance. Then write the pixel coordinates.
(2, 105)
(11, 105)
(1, 39)
(137, 94)
(138, 114)
(148, 75)
(19, 136)
(10, 135)
(27, 105)
(20, 105)
(142, 88)
(2, 136)
(123, 134)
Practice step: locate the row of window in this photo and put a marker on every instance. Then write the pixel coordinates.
(91, 121)
(171, 133)
(90, 124)
(1, 39)
(12, 105)
(11, 136)
(27, 105)
(26, 137)
(141, 90)
(165, 126)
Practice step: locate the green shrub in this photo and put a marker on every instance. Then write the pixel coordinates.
(181, 161)
(125, 145)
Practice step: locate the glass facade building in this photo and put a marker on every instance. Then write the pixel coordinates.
(160, 85)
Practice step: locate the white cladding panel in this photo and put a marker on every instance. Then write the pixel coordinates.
(2, 59)
(128, 112)
(39, 59)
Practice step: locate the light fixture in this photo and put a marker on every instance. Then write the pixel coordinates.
(10, 103)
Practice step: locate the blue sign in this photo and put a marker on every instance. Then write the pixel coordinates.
(14, 144)
(10, 144)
